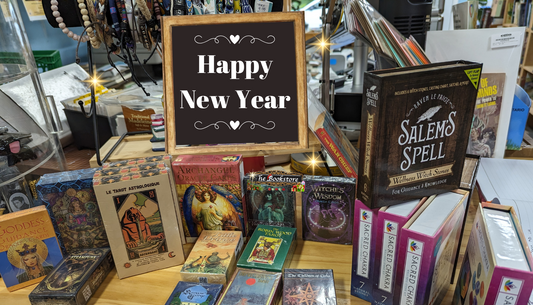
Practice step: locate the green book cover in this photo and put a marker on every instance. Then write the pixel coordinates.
(269, 248)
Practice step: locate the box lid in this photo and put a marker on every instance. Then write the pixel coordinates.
(53, 178)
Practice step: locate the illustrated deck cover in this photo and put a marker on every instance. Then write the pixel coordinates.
(270, 198)
(140, 220)
(415, 127)
(187, 293)
(213, 258)
(252, 287)
(328, 209)
(71, 203)
(308, 286)
(210, 193)
(269, 248)
(29, 249)
(75, 279)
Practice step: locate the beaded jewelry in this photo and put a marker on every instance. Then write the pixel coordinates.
(95, 42)
(62, 25)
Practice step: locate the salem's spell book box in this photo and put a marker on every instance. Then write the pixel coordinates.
(71, 203)
(29, 249)
(269, 248)
(213, 258)
(270, 198)
(308, 286)
(140, 220)
(75, 279)
(210, 192)
(328, 209)
(187, 293)
(252, 287)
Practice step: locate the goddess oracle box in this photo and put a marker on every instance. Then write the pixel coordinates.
(29, 249)
(210, 192)
(140, 220)
(309, 286)
(71, 203)
(270, 248)
(187, 293)
(213, 258)
(75, 279)
(255, 287)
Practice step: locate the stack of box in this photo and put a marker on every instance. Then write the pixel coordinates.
(158, 132)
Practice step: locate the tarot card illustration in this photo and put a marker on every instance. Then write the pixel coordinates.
(251, 287)
(273, 206)
(142, 227)
(214, 263)
(265, 250)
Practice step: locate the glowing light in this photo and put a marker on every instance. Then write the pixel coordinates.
(323, 44)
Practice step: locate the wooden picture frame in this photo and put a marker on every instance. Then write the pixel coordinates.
(214, 24)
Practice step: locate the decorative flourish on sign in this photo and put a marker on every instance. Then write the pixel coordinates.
(233, 125)
(252, 41)
(215, 39)
(234, 39)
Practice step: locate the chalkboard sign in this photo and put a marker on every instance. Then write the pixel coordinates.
(237, 80)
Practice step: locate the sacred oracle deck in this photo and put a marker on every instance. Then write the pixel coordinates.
(71, 203)
(328, 209)
(162, 158)
(252, 287)
(213, 257)
(270, 198)
(308, 286)
(75, 279)
(29, 249)
(140, 220)
(187, 293)
(210, 192)
(269, 248)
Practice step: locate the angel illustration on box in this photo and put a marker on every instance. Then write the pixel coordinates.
(211, 208)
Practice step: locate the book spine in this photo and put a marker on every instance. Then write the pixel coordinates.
(335, 153)
(368, 139)
(509, 287)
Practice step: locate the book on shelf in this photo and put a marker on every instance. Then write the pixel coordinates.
(416, 120)
(496, 267)
(158, 132)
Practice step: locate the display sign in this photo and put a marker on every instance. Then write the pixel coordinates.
(236, 80)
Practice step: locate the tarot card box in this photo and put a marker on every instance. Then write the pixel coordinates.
(187, 293)
(75, 279)
(71, 203)
(29, 249)
(162, 158)
(328, 209)
(256, 287)
(269, 248)
(210, 192)
(213, 258)
(309, 286)
(140, 220)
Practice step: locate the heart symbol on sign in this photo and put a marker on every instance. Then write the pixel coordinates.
(234, 124)
(234, 38)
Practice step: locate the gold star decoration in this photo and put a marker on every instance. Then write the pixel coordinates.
(308, 296)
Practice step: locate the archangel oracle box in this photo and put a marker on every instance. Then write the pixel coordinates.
(328, 209)
(75, 279)
(140, 220)
(29, 249)
(71, 203)
(270, 198)
(255, 287)
(428, 244)
(187, 293)
(213, 257)
(364, 247)
(309, 286)
(415, 127)
(270, 248)
(390, 221)
(497, 264)
(210, 192)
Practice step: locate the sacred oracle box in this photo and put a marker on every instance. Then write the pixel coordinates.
(75, 279)
(415, 127)
(187, 293)
(140, 220)
(269, 248)
(210, 192)
(71, 203)
(213, 257)
(328, 209)
(270, 198)
(162, 158)
(29, 249)
(308, 286)
(497, 265)
(255, 287)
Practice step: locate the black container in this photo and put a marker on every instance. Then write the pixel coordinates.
(83, 130)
